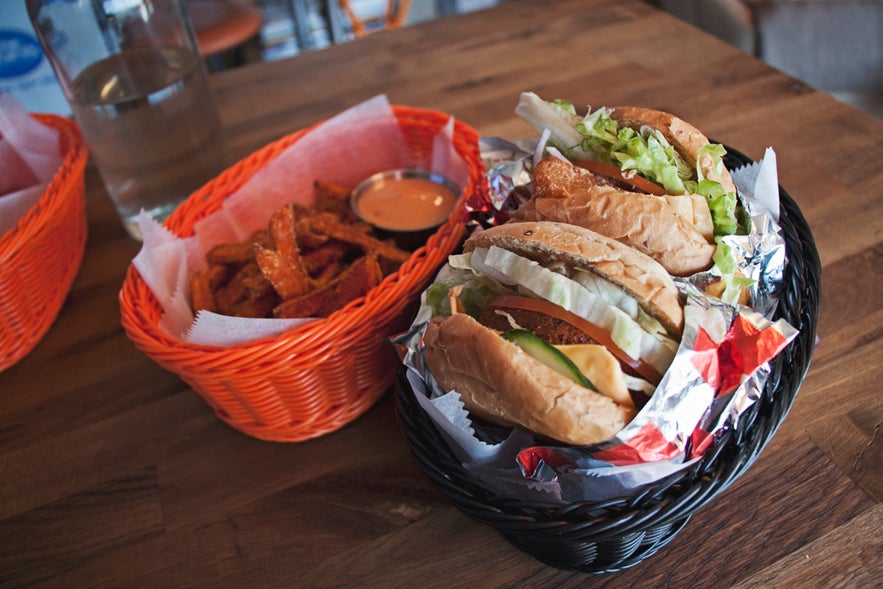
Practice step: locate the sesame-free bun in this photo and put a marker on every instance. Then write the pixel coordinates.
(502, 384)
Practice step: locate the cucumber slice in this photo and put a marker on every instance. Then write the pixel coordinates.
(548, 355)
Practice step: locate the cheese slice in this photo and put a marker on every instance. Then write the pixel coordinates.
(693, 208)
(601, 368)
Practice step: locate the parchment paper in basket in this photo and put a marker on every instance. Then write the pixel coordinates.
(760, 180)
(344, 149)
(29, 158)
(717, 373)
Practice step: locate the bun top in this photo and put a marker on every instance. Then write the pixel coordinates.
(636, 273)
(684, 137)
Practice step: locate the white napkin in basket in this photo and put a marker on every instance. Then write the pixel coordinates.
(29, 158)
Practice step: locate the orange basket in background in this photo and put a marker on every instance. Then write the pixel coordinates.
(315, 378)
(41, 255)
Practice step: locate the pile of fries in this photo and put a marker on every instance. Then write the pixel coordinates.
(309, 262)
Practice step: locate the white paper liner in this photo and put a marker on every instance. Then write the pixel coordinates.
(29, 158)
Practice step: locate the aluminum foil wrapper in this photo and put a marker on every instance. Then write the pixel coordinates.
(718, 372)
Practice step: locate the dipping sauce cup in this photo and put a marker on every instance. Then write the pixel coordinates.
(408, 205)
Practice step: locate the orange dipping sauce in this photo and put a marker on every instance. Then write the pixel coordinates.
(405, 200)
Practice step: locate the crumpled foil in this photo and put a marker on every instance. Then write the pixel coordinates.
(718, 372)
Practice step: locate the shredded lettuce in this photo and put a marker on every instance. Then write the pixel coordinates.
(724, 259)
(721, 203)
(646, 151)
(436, 297)
(565, 105)
(476, 292)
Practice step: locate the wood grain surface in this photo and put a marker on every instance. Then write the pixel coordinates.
(113, 473)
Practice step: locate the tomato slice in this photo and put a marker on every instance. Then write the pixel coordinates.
(614, 172)
(599, 334)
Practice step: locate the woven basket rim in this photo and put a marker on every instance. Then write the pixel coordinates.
(140, 327)
(669, 502)
(47, 206)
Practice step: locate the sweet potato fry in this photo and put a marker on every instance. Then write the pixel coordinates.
(288, 279)
(283, 234)
(234, 254)
(305, 305)
(334, 198)
(231, 253)
(327, 253)
(308, 238)
(331, 191)
(256, 307)
(201, 292)
(247, 294)
(360, 277)
(261, 237)
(255, 281)
(218, 275)
(327, 274)
(230, 294)
(344, 232)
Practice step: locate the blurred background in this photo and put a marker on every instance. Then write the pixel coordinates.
(832, 45)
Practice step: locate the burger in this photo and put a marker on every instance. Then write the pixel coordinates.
(641, 176)
(552, 328)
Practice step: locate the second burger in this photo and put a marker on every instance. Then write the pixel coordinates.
(552, 328)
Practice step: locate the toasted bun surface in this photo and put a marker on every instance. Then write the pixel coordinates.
(556, 178)
(563, 193)
(636, 273)
(502, 384)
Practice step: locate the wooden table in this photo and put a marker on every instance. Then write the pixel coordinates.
(114, 473)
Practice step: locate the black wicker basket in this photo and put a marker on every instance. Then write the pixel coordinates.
(597, 537)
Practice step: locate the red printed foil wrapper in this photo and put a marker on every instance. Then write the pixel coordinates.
(723, 357)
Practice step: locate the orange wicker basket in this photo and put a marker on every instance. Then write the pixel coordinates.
(316, 378)
(41, 255)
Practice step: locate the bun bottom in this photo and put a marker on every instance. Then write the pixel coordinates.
(502, 384)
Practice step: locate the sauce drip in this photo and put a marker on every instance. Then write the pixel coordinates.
(405, 204)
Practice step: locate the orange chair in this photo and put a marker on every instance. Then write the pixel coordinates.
(394, 17)
(223, 28)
